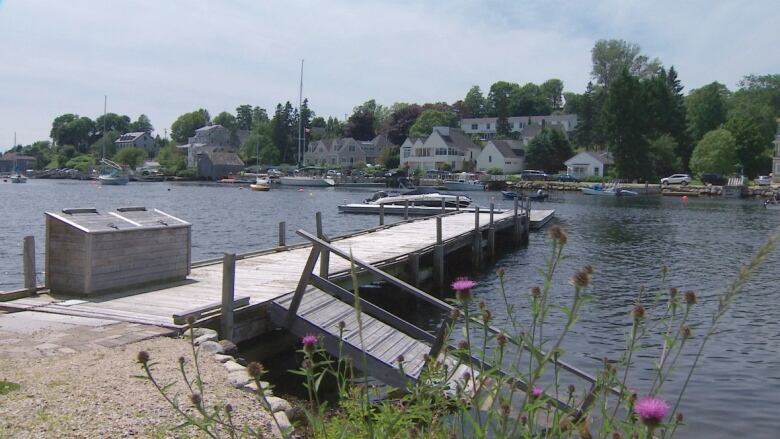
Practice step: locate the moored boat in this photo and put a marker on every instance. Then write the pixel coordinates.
(307, 181)
(611, 190)
(540, 195)
(18, 178)
(772, 204)
(261, 184)
(419, 197)
(464, 185)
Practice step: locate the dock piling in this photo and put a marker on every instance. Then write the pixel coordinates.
(457, 203)
(492, 235)
(477, 245)
(381, 214)
(28, 255)
(443, 208)
(228, 292)
(282, 234)
(438, 255)
(414, 268)
(325, 256)
(406, 210)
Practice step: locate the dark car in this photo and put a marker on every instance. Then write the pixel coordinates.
(532, 175)
(713, 179)
(568, 178)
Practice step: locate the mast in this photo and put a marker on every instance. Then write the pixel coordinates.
(103, 143)
(301, 135)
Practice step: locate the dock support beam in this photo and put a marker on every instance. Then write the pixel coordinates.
(438, 256)
(28, 252)
(406, 210)
(228, 293)
(457, 203)
(381, 214)
(325, 256)
(492, 235)
(282, 234)
(414, 269)
(516, 227)
(476, 256)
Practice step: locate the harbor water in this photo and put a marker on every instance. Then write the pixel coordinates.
(733, 393)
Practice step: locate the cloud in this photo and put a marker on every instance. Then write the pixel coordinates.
(167, 58)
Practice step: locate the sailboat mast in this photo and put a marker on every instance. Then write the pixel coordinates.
(105, 105)
(301, 141)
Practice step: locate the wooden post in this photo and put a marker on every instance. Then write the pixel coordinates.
(492, 208)
(228, 291)
(282, 234)
(457, 203)
(325, 256)
(477, 245)
(516, 226)
(381, 214)
(492, 235)
(28, 251)
(438, 256)
(414, 269)
(443, 207)
(406, 209)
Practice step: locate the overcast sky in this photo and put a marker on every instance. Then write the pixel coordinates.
(167, 57)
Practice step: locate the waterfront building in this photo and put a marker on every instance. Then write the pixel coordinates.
(218, 164)
(506, 155)
(212, 136)
(589, 164)
(141, 139)
(445, 146)
(12, 162)
(485, 127)
(776, 158)
(345, 152)
(406, 148)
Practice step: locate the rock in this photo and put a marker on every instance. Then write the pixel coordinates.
(278, 404)
(238, 379)
(284, 422)
(232, 366)
(211, 347)
(228, 347)
(205, 337)
(252, 387)
(199, 332)
(222, 358)
(297, 415)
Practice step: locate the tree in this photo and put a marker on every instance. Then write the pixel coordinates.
(715, 153)
(244, 119)
(283, 132)
(131, 157)
(552, 90)
(584, 132)
(360, 124)
(424, 124)
(753, 127)
(678, 127)
(401, 121)
(663, 155)
(171, 158)
(529, 100)
(104, 146)
(610, 57)
(111, 122)
(185, 125)
(624, 125)
(497, 103)
(70, 129)
(474, 103)
(573, 102)
(258, 149)
(548, 150)
(142, 124)
(259, 117)
(764, 89)
(390, 158)
(227, 120)
(706, 109)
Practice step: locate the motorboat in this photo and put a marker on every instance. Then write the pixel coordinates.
(772, 204)
(463, 184)
(261, 184)
(18, 178)
(539, 195)
(112, 174)
(610, 190)
(307, 181)
(419, 197)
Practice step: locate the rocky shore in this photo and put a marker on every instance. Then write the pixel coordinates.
(695, 190)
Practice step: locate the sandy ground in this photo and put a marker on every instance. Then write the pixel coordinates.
(94, 394)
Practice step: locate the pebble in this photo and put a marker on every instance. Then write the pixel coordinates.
(278, 404)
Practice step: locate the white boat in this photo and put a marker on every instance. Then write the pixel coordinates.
(611, 190)
(112, 174)
(262, 184)
(419, 197)
(307, 181)
(18, 178)
(772, 204)
(464, 185)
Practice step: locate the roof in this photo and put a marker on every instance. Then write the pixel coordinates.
(382, 141)
(455, 138)
(225, 158)
(130, 137)
(17, 156)
(531, 130)
(507, 148)
(604, 157)
(208, 128)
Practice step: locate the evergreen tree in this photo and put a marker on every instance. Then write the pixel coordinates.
(474, 103)
(624, 124)
(244, 117)
(678, 127)
(585, 119)
(548, 150)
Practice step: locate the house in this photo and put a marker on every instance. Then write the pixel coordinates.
(445, 147)
(345, 152)
(507, 155)
(141, 139)
(589, 164)
(210, 136)
(776, 158)
(485, 127)
(15, 162)
(217, 164)
(406, 148)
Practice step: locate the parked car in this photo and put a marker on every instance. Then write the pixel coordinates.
(568, 178)
(713, 179)
(763, 180)
(533, 175)
(682, 179)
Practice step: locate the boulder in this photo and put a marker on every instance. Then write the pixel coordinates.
(278, 404)
(211, 347)
(228, 347)
(204, 338)
(232, 366)
(222, 358)
(199, 332)
(238, 379)
(284, 423)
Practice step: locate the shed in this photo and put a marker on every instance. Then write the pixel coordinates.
(91, 252)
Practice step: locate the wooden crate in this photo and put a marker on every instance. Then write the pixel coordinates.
(89, 252)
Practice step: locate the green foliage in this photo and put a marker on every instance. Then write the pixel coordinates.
(624, 121)
(401, 122)
(548, 150)
(131, 157)
(105, 146)
(424, 124)
(552, 90)
(390, 158)
(7, 387)
(474, 103)
(495, 171)
(187, 173)
(171, 158)
(715, 153)
(258, 148)
(227, 120)
(611, 57)
(663, 156)
(587, 115)
(113, 123)
(760, 89)
(142, 124)
(706, 109)
(81, 163)
(753, 127)
(360, 124)
(70, 129)
(185, 125)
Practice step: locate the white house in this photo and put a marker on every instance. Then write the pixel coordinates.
(485, 127)
(445, 146)
(589, 164)
(507, 155)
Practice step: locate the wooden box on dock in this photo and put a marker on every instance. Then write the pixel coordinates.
(90, 252)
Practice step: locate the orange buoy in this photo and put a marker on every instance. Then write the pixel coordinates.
(685, 198)
(300, 189)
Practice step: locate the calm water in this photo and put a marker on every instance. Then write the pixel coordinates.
(737, 386)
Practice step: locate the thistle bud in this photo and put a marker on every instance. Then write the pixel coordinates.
(196, 399)
(638, 312)
(536, 292)
(686, 331)
(255, 369)
(690, 298)
(143, 357)
(558, 234)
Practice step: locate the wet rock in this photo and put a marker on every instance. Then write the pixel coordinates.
(228, 347)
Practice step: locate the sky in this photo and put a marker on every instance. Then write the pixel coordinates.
(163, 58)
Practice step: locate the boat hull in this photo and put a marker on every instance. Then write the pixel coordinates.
(18, 179)
(306, 181)
(260, 187)
(113, 180)
(464, 186)
(609, 192)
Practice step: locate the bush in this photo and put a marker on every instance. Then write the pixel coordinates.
(187, 173)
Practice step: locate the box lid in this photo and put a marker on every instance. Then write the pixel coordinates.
(92, 220)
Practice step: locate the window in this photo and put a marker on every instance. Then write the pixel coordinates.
(596, 171)
(474, 126)
(487, 126)
(490, 159)
(351, 148)
(441, 151)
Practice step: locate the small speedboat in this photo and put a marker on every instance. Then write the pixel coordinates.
(464, 185)
(608, 191)
(772, 204)
(420, 197)
(18, 178)
(261, 184)
(540, 195)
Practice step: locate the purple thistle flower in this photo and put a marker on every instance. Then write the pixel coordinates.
(462, 287)
(651, 410)
(309, 342)
(536, 392)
